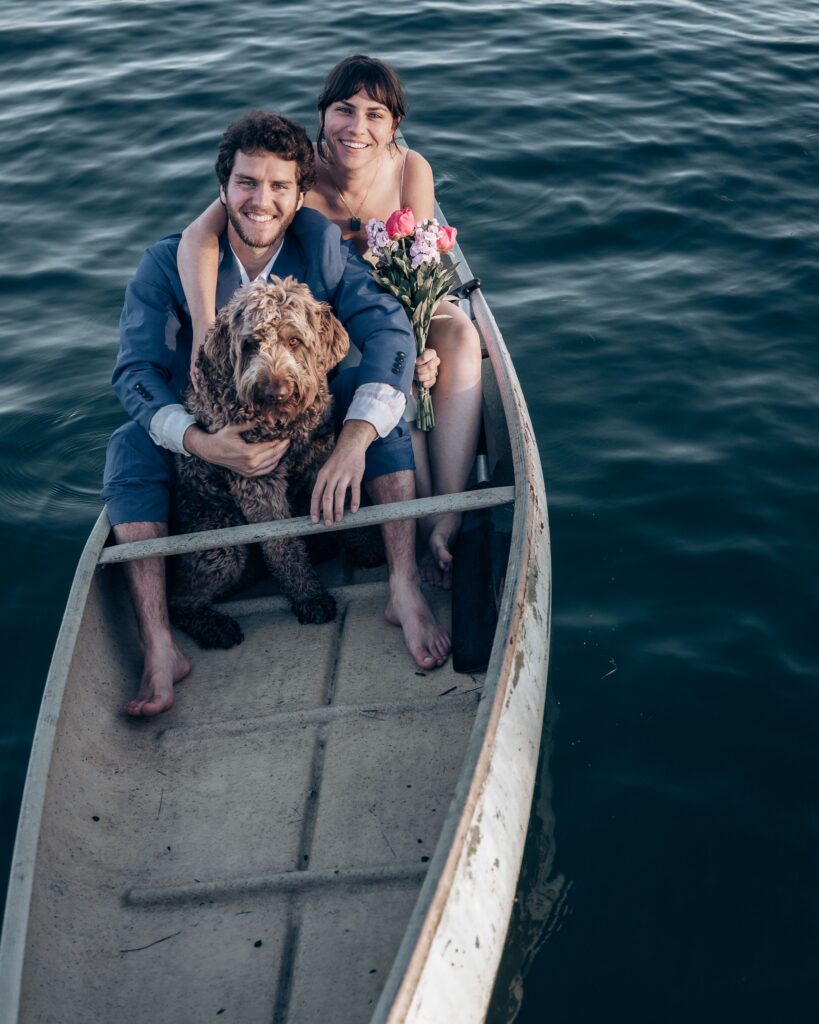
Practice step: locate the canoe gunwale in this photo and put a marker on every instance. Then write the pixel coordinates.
(530, 543)
(21, 876)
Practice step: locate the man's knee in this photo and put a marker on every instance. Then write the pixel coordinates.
(389, 454)
(138, 478)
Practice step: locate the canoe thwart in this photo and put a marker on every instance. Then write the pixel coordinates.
(303, 526)
(285, 881)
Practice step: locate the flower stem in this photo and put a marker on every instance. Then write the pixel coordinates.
(425, 417)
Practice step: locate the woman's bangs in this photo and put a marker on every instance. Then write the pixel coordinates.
(373, 81)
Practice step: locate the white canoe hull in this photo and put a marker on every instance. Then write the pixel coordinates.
(316, 831)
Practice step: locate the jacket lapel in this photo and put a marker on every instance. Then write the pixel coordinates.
(290, 261)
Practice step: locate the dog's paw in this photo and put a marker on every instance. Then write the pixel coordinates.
(220, 633)
(317, 609)
(209, 628)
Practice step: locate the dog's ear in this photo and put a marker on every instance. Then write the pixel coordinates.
(217, 340)
(335, 342)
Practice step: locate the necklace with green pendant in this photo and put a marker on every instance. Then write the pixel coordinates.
(355, 220)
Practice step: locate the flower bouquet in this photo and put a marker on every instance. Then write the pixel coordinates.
(405, 257)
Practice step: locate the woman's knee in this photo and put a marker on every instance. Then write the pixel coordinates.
(458, 345)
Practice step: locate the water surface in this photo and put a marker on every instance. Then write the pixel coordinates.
(636, 184)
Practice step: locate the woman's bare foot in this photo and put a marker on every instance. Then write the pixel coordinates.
(427, 641)
(436, 563)
(165, 665)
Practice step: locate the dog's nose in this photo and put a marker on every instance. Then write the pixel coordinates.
(278, 390)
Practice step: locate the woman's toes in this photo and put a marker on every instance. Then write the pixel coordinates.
(429, 570)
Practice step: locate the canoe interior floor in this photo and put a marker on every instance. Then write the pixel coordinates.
(254, 854)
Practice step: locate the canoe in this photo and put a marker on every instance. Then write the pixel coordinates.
(317, 831)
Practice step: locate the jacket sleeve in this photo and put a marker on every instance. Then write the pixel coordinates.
(377, 325)
(149, 325)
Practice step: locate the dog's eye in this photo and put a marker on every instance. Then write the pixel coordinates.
(294, 342)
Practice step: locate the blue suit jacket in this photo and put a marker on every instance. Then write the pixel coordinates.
(155, 328)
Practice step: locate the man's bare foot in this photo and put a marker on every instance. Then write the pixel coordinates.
(165, 665)
(436, 564)
(427, 641)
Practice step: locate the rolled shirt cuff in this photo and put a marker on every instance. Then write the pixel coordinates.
(168, 426)
(382, 405)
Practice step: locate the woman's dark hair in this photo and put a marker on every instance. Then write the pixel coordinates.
(273, 133)
(350, 76)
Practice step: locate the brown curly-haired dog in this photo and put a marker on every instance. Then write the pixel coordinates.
(264, 363)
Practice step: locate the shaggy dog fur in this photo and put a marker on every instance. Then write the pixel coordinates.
(264, 363)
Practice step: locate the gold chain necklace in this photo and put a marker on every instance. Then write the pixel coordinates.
(355, 220)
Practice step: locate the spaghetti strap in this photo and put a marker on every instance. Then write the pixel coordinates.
(401, 186)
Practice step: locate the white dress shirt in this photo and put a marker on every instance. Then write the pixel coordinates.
(381, 405)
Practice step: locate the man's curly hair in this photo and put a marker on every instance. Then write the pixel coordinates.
(273, 133)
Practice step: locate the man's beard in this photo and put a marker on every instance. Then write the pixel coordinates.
(266, 241)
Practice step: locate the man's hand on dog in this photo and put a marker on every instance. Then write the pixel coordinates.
(344, 469)
(227, 448)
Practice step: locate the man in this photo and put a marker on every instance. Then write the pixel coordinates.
(264, 166)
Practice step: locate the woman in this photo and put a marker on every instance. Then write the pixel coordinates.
(362, 173)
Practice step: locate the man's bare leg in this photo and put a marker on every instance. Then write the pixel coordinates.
(427, 641)
(164, 663)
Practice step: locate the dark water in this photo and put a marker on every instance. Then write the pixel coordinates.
(636, 183)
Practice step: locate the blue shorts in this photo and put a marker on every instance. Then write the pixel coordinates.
(139, 475)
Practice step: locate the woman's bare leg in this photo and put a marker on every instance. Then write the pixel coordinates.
(423, 473)
(453, 442)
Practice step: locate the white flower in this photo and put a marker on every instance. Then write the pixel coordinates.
(425, 247)
(377, 237)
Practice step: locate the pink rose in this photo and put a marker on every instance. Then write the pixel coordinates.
(446, 239)
(401, 224)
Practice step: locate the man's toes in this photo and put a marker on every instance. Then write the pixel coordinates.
(156, 706)
(433, 653)
(425, 659)
(440, 645)
(420, 651)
